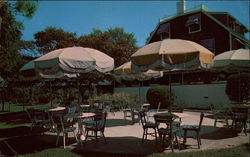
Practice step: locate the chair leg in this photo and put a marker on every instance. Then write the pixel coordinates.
(215, 121)
(185, 137)
(245, 127)
(143, 135)
(102, 132)
(177, 141)
(171, 142)
(57, 139)
(75, 137)
(198, 139)
(96, 136)
(64, 136)
(156, 136)
(86, 136)
(146, 134)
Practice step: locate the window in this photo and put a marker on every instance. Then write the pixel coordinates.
(194, 23)
(164, 31)
(209, 44)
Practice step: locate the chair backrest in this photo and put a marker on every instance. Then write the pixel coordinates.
(71, 109)
(201, 119)
(100, 119)
(136, 106)
(211, 107)
(30, 114)
(142, 115)
(163, 119)
(35, 114)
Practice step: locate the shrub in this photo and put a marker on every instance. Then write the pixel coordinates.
(160, 94)
(119, 99)
(238, 87)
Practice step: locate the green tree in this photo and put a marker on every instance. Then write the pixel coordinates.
(238, 87)
(11, 34)
(160, 94)
(54, 38)
(115, 42)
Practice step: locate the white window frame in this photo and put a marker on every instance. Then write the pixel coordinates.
(199, 23)
(165, 31)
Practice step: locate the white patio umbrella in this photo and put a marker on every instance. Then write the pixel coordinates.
(234, 61)
(125, 72)
(171, 54)
(231, 61)
(27, 72)
(67, 62)
(70, 62)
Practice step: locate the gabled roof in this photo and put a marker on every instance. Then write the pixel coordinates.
(207, 12)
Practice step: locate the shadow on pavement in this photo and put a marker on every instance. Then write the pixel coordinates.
(118, 122)
(118, 146)
(214, 133)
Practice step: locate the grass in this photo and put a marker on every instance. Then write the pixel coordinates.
(239, 151)
(19, 108)
(55, 152)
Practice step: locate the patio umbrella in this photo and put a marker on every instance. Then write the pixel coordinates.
(171, 54)
(68, 62)
(125, 72)
(27, 72)
(231, 61)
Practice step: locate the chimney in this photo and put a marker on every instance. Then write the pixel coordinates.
(181, 6)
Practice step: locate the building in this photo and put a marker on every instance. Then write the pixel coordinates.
(217, 31)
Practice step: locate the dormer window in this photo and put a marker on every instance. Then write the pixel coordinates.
(194, 23)
(164, 31)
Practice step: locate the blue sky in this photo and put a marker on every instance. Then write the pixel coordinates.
(138, 17)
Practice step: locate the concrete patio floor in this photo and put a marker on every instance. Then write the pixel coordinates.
(124, 137)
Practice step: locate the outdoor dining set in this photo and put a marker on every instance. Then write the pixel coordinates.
(64, 120)
(90, 121)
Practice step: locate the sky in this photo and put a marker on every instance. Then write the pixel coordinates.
(137, 17)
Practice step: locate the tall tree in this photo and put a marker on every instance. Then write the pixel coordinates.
(10, 34)
(115, 42)
(54, 38)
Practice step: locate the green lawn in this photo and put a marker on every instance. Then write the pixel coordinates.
(240, 151)
(19, 108)
(56, 152)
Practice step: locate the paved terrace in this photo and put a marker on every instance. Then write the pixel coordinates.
(124, 137)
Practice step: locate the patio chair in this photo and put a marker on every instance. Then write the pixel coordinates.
(38, 118)
(196, 129)
(169, 130)
(132, 112)
(147, 125)
(239, 118)
(63, 124)
(219, 114)
(97, 126)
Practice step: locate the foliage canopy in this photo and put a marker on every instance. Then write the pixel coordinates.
(238, 87)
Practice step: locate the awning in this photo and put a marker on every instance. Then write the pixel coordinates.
(194, 19)
(163, 28)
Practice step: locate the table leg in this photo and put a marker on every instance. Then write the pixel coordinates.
(185, 137)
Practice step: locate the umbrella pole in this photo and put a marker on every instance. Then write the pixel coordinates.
(50, 93)
(78, 88)
(239, 89)
(170, 92)
(140, 92)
